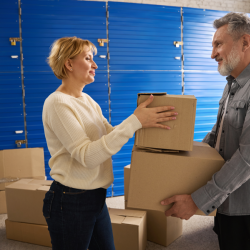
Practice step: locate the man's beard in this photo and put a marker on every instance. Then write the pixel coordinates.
(230, 64)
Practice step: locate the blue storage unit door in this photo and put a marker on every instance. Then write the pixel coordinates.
(143, 58)
(42, 23)
(200, 71)
(11, 98)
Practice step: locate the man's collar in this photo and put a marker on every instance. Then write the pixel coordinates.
(244, 76)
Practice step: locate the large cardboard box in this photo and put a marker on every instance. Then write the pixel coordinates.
(160, 229)
(24, 200)
(30, 233)
(129, 229)
(180, 136)
(21, 163)
(157, 176)
(3, 208)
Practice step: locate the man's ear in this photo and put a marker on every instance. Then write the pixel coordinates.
(245, 42)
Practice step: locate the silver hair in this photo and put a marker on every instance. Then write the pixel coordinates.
(238, 24)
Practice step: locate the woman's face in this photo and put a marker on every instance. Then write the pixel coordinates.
(83, 67)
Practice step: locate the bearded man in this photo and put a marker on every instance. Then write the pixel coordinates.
(229, 189)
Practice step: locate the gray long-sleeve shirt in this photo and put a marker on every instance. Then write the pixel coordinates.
(229, 189)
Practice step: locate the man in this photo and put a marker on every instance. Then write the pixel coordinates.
(229, 189)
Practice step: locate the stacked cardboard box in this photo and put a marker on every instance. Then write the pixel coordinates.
(160, 229)
(167, 162)
(27, 223)
(129, 229)
(19, 163)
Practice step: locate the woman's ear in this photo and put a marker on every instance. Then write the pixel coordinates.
(68, 64)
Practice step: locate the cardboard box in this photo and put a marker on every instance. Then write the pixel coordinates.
(3, 208)
(129, 229)
(157, 176)
(30, 233)
(180, 136)
(27, 195)
(160, 229)
(21, 163)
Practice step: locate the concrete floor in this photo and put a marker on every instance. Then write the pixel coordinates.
(197, 234)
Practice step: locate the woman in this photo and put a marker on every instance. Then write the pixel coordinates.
(81, 143)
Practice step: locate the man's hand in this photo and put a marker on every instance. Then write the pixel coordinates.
(183, 208)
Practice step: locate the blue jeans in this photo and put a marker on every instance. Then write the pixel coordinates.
(78, 219)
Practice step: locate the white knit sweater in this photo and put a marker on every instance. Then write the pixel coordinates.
(81, 141)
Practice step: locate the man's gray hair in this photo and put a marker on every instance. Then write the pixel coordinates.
(238, 24)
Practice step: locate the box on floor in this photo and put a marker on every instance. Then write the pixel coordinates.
(180, 136)
(157, 176)
(26, 232)
(3, 208)
(27, 195)
(129, 229)
(21, 163)
(160, 229)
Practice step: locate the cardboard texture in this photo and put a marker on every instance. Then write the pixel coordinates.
(129, 229)
(180, 136)
(27, 195)
(30, 233)
(160, 229)
(3, 208)
(157, 176)
(21, 163)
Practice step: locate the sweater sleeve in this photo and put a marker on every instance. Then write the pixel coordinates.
(70, 131)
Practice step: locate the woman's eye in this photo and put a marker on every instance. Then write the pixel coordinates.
(87, 58)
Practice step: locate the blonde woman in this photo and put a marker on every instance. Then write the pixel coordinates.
(81, 143)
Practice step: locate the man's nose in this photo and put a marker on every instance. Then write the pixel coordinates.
(214, 53)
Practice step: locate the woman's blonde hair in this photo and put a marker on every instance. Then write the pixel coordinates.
(66, 48)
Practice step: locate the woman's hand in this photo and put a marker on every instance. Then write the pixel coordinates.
(151, 117)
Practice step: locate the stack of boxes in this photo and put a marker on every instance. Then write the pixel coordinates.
(26, 164)
(166, 163)
(19, 163)
(27, 223)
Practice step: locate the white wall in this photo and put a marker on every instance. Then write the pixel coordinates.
(226, 5)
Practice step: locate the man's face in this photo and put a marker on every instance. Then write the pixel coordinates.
(226, 51)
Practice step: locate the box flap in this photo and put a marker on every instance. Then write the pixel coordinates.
(41, 182)
(127, 212)
(116, 218)
(132, 221)
(30, 184)
(124, 216)
(44, 188)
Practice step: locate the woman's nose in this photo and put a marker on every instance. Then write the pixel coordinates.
(94, 65)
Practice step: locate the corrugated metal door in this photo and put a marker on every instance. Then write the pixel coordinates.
(42, 23)
(143, 58)
(200, 71)
(11, 100)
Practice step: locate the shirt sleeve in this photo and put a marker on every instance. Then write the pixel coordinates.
(107, 125)
(231, 176)
(70, 131)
